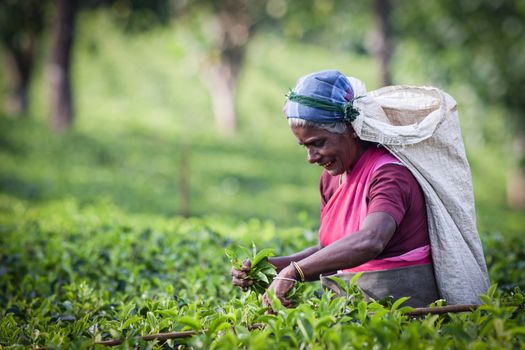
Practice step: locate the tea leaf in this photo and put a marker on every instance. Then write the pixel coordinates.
(261, 271)
(130, 321)
(398, 302)
(263, 254)
(218, 324)
(262, 277)
(190, 322)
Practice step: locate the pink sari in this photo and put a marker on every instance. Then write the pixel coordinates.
(346, 210)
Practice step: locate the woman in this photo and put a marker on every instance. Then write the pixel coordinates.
(373, 211)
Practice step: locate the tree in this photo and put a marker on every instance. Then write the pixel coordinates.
(60, 65)
(224, 28)
(21, 27)
(481, 42)
(235, 22)
(140, 15)
(383, 46)
(22, 23)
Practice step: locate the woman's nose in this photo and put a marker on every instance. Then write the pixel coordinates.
(313, 156)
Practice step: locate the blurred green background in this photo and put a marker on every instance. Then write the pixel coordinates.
(143, 138)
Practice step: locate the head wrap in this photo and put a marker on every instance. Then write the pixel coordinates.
(323, 97)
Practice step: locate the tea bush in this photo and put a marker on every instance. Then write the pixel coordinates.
(87, 252)
(71, 276)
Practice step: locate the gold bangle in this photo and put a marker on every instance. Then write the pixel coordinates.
(298, 270)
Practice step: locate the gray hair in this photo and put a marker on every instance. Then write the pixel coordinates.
(333, 127)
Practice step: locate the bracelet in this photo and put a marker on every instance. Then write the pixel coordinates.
(298, 270)
(285, 279)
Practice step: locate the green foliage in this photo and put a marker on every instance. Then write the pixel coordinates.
(261, 271)
(72, 275)
(506, 261)
(21, 22)
(136, 113)
(91, 249)
(492, 32)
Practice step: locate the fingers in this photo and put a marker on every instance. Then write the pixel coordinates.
(286, 302)
(243, 283)
(266, 303)
(238, 273)
(246, 265)
(240, 277)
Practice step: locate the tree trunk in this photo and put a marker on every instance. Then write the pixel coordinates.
(516, 174)
(516, 188)
(20, 63)
(221, 84)
(60, 68)
(184, 181)
(223, 71)
(383, 46)
(21, 26)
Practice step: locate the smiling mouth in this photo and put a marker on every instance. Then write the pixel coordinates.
(327, 164)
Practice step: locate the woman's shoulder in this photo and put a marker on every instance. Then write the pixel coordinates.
(397, 178)
(393, 171)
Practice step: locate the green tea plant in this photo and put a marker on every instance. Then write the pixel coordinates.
(72, 276)
(261, 271)
(505, 260)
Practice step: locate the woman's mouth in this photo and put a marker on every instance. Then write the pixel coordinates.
(327, 164)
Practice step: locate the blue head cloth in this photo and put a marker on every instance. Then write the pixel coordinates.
(322, 97)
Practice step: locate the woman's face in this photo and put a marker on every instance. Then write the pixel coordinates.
(337, 153)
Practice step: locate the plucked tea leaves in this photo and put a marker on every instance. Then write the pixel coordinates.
(261, 272)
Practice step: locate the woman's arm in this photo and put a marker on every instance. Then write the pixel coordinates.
(351, 250)
(280, 262)
(239, 276)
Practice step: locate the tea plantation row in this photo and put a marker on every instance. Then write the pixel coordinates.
(71, 277)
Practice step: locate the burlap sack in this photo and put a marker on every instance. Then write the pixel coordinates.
(420, 126)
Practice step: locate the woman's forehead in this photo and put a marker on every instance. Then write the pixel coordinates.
(310, 130)
(310, 133)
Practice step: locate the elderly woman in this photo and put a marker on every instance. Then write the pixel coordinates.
(373, 210)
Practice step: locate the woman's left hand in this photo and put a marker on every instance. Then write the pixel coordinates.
(281, 286)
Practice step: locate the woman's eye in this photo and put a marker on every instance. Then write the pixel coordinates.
(319, 143)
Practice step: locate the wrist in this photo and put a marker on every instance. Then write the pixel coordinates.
(279, 263)
(298, 271)
(289, 272)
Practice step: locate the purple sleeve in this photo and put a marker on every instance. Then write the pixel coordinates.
(389, 191)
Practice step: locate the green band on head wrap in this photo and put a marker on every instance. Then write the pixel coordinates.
(348, 110)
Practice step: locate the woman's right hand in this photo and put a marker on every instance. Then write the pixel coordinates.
(239, 277)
